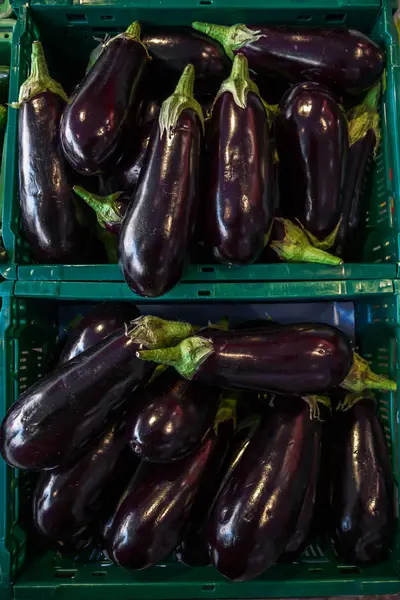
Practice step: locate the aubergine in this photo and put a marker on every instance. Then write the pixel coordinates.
(110, 210)
(97, 324)
(48, 211)
(239, 204)
(170, 418)
(55, 419)
(159, 224)
(362, 484)
(343, 59)
(312, 143)
(94, 121)
(155, 510)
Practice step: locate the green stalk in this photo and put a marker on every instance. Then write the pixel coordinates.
(227, 409)
(182, 99)
(231, 38)
(154, 332)
(239, 83)
(361, 377)
(133, 32)
(326, 243)
(365, 116)
(351, 399)
(313, 402)
(186, 357)
(105, 207)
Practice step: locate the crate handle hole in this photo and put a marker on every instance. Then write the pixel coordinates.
(315, 570)
(204, 293)
(206, 2)
(65, 574)
(76, 17)
(335, 17)
(348, 569)
(210, 587)
(107, 18)
(99, 573)
(6, 35)
(304, 18)
(207, 269)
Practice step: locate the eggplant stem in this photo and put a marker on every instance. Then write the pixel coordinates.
(227, 409)
(364, 117)
(351, 399)
(314, 402)
(186, 357)
(105, 207)
(239, 83)
(182, 99)
(295, 247)
(326, 243)
(361, 377)
(231, 38)
(271, 111)
(154, 332)
(133, 32)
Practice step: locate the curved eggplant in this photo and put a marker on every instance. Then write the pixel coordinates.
(159, 224)
(239, 208)
(312, 143)
(344, 59)
(93, 123)
(96, 325)
(48, 211)
(53, 421)
(110, 210)
(362, 484)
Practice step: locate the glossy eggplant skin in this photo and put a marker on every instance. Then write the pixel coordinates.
(67, 499)
(159, 224)
(96, 325)
(170, 418)
(362, 486)
(48, 207)
(239, 208)
(94, 121)
(312, 144)
(245, 539)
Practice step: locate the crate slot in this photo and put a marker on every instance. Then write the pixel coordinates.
(76, 18)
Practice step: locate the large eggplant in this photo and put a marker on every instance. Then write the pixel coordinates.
(94, 121)
(53, 421)
(159, 224)
(155, 510)
(312, 143)
(362, 485)
(239, 206)
(48, 210)
(344, 59)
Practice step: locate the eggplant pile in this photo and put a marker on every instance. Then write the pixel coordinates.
(151, 175)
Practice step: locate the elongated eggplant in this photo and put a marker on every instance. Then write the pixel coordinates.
(93, 123)
(159, 224)
(155, 510)
(110, 210)
(48, 211)
(344, 59)
(364, 138)
(297, 358)
(239, 208)
(53, 421)
(96, 325)
(362, 485)
(312, 144)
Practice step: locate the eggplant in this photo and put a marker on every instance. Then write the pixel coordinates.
(96, 325)
(155, 510)
(110, 210)
(54, 420)
(364, 137)
(170, 418)
(48, 211)
(362, 484)
(159, 224)
(94, 121)
(312, 143)
(68, 498)
(343, 59)
(252, 519)
(239, 204)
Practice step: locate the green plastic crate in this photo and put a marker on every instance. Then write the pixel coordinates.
(67, 28)
(28, 330)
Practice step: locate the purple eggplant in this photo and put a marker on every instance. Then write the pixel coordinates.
(239, 206)
(364, 137)
(96, 325)
(159, 224)
(362, 485)
(344, 59)
(54, 420)
(48, 210)
(94, 121)
(312, 143)
(110, 210)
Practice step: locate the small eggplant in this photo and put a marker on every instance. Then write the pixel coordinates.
(362, 484)
(312, 144)
(96, 325)
(170, 418)
(239, 208)
(345, 60)
(94, 121)
(159, 224)
(54, 420)
(110, 210)
(48, 211)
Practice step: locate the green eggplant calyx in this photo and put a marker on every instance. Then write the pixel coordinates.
(351, 399)
(271, 111)
(295, 247)
(238, 83)
(110, 244)
(133, 32)
(186, 357)
(222, 324)
(154, 332)
(39, 80)
(361, 377)
(105, 207)
(156, 373)
(365, 117)
(182, 99)
(314, 402)
(226, 409)
(231, 38)
(326, 243)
